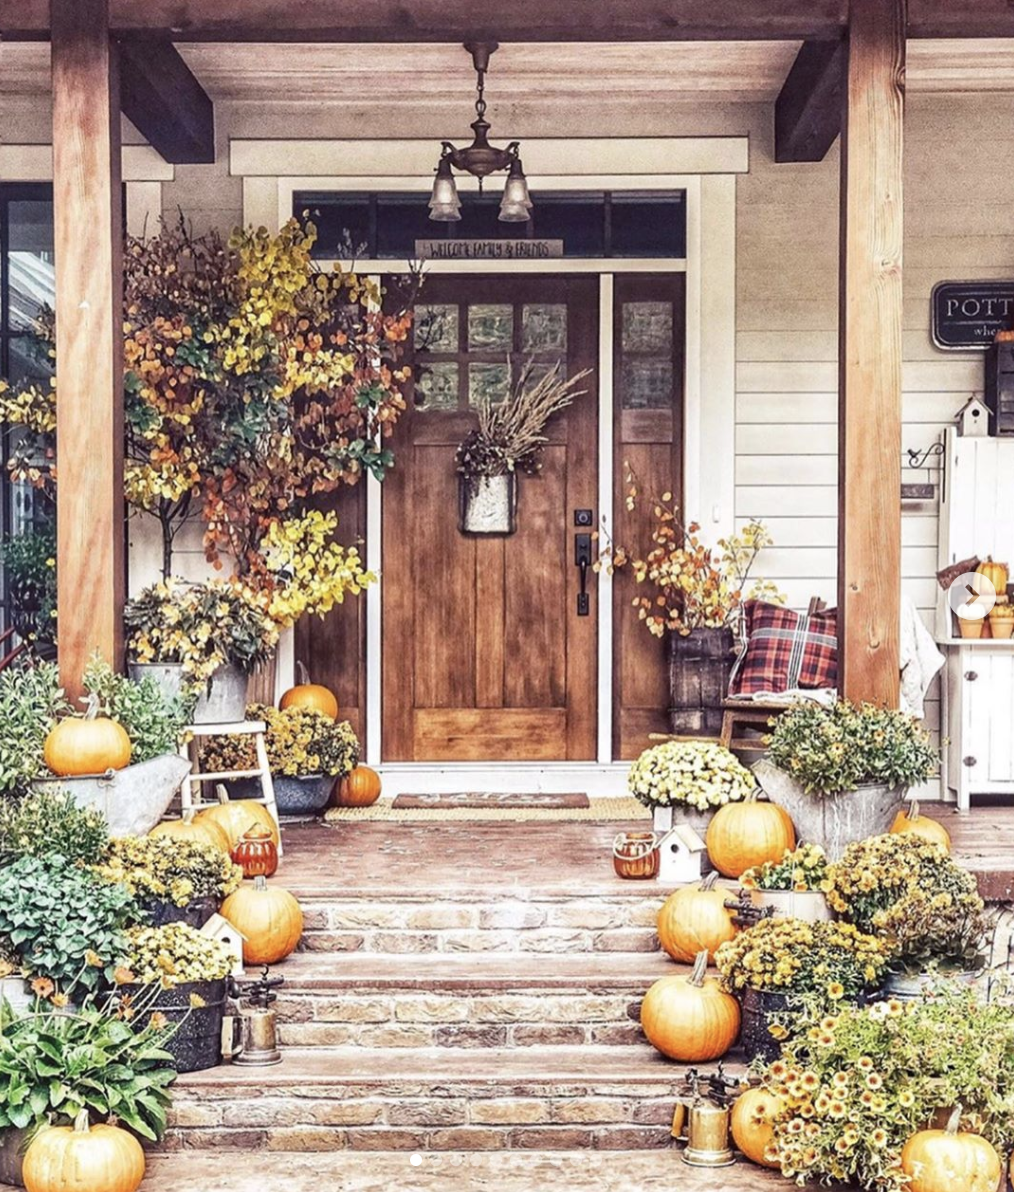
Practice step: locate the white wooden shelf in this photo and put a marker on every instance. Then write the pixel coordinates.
(978, 643)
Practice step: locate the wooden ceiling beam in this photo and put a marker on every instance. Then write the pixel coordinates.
(808, 108)
(161, 97)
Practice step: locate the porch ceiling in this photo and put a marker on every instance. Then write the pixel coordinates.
(406, 75)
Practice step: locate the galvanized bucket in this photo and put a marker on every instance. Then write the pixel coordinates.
(808, 905)
(913, 987)
(196, 1044)
(223, 700)
(168, 675)
(834, 820)
(488, 504)
(134, 799)
(304, 795)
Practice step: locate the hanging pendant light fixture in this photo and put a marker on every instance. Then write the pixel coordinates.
(480, 159)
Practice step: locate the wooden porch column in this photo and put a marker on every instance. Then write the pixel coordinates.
(88, 246)
(869, 354)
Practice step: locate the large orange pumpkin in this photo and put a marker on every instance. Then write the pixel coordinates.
(89, 744)
(83, 1158)
(310, 695)
(690, 1018)
(268, 916)
(752, 1124)
(911, 823)
(745, 834)
(693, 918)
(361, 788)
(192, 828)
(237, 816)
(948, 1161)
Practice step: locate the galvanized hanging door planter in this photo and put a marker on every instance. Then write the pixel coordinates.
(488, 504)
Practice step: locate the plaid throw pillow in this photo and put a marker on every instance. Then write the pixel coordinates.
(786, 650)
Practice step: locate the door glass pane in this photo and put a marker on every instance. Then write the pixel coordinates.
(29, 359)
(488, 382)
(544, 327)
(436, 387)
(647, 383)
(436, 328)
(490, 327)
(647, 326)
(30, 261)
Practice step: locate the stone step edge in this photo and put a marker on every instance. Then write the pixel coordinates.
(483, 893)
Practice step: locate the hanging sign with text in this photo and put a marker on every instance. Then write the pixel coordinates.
(968, 314)
(488, 250)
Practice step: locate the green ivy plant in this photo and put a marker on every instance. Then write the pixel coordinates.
(153, 721)
(54, 1064)
(49, 821)
(31, 699)
(65, 923)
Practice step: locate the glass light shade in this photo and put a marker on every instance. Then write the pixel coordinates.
(444, 204)
(516, 203)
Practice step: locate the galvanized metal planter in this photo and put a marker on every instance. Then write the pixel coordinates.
(835, 820)
(134, 799)
(17, 993)
(304, 795)
(808, 905)
(194, 914)
(913, 987)
(168, 675)
(197, 1041)
(488, 504)
(223, 701)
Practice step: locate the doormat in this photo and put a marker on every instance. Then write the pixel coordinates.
(619, 810)
(482, 799)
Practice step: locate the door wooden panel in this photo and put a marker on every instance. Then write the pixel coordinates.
(484, 655)
(648, 363)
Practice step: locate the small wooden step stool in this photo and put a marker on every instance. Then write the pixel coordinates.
(192, 783)
(739, 714)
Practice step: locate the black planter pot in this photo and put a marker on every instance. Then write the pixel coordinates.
(195, 913)
(700, 665)
(196, 1044)
(761, 1009)
(13, 1144)
(307, 795)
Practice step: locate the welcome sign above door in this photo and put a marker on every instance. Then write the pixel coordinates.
(968, 314)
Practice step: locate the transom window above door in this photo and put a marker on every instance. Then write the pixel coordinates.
(470, 352)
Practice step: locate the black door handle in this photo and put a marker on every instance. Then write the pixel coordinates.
(583, 560)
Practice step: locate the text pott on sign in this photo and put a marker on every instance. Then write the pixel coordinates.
(968, 314)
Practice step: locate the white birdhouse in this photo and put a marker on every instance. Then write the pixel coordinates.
(973, 419)
(222, 930)
(680, 856)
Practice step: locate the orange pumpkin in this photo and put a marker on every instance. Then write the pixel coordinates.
(192, 828)
(256, 853)
(89, 744)
(690, 1018)
(361, 788)
(742, 835)
(752, 1124)
(911, 823)
(948, 1161)
(693, 918)
(83, 1158)
(236, 816)
(310, 695)
(268, 916)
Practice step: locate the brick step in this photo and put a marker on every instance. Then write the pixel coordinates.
(469, 1000)
(486, 920)
(435, 1099)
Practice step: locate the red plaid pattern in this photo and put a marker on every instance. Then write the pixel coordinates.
(785, 650)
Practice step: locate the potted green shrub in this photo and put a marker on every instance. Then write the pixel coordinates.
(687, 781)
(841, 770)
(794, 887)
(182, 976)
(782, 969)
(173, 879)
(31, 700)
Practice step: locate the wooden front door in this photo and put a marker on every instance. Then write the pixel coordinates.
(485, 656)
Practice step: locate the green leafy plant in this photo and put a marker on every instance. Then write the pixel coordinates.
(49, 821)
(55, 1063)
(936, 931)
(31, 699)
(64, 922)
(856, 1086)
(300, 742)
(29, 562)
(169, 869)
(697, 774)
(154, 721)
(801, 869)
(176, 954)
(845, 746)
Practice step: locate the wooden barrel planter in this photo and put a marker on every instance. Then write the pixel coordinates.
(700, 666)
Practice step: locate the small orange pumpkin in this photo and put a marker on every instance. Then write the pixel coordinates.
(192, 828)
(690, 1018)
(361, 788)
(310, 695)
(948, 1160)
(83, 1158)
(693, 918)
(742, 835)
(911, 823)
(256, 853)
(236, 816)
(88, 744)
(997, 574)
(268, 916)
(752, 1124)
